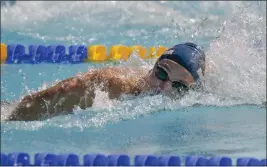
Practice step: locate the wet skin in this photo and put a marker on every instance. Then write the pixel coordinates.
(79, 90)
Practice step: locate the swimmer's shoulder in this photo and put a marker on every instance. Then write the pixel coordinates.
(121, 80)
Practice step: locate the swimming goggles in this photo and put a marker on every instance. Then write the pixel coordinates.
(181, 79)
(162, 75)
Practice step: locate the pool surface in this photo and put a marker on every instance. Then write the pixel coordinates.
(228, 119)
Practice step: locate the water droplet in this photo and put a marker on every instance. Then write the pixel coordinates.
(192, 20)
(28, 105)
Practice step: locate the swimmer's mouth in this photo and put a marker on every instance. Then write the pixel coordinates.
(172, 94)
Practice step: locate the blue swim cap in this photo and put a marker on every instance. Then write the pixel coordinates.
(188, 55)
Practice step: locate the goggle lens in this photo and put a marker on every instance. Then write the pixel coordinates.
(161, 74)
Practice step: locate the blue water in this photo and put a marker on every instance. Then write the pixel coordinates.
(229, 120)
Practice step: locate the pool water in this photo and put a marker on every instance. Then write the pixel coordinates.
(229, 118)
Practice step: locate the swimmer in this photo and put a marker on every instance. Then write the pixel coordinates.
(176, 71)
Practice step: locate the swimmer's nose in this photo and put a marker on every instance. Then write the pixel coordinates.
(166, 85)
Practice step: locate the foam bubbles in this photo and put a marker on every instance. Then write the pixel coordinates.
(239, 59)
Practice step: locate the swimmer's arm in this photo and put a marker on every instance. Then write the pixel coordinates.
(59, 99)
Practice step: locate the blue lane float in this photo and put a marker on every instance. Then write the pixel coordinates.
(249, 162)
(146, 160)
(195, 161)
(37, 53)
(4, 159)
(67, 160)
(77, 54)
(71, 159)
(219, 161)
(95, 160)
(18, 159)
(45, 159)
(169, 161)
(16, 54)
(118, 160)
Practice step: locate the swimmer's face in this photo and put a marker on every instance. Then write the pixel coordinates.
(168, 76)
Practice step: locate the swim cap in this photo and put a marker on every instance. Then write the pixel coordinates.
(188, 55)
